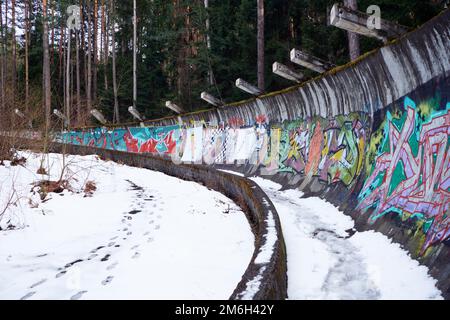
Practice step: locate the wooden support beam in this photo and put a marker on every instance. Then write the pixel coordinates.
(356, 21)
(308, 61)
(211, 99)
(135, 113)
(285, 72)
(59, 114)
(98, 115)
(19, 113)
(172, 106)
(247, 87)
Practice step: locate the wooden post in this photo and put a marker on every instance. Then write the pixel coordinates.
(247, 87)
(285, 72)
(172, 106)
(211, 99)
(309, 61)
(355, 21)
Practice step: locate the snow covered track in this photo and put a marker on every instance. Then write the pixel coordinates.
(328, 259)
(139, 235)
(266, 274)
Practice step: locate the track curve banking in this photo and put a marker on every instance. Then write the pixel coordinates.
(266, 275)
(372, 137)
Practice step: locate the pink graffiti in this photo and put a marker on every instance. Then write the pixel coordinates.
(427, 175)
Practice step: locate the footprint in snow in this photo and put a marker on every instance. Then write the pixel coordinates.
(28, 295)
(37, 283)
(58, 275)
(112, 266)
(105, 258)
(135, 247)
(150, 239)
(96, 249)
(136, 255)
(78, 295)
(92, 256)
(111, 244)
(157, 227)
(107, 280)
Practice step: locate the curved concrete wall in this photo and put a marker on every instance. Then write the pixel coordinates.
(372, 137)
(266, 275)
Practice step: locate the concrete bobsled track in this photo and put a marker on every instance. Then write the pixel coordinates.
(371, 137)
(266, 275)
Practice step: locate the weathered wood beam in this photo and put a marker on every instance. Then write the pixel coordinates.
(356, 21)
(59, 114)
(172, 106)
(98, 115)
(135, 113)
(211, 99)
(285, 72)
(19, 113)
(309, 61)
(247, 87)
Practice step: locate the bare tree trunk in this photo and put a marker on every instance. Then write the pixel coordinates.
(2, 65)
(89, 64)
(27, 44)
(77, 34)
(46, 69)
(14, 52)
(113, 40)
(63, 83)
(134, 54)
(52, 47)
(61, 56)
(105, 45)
(94, 81)
(5, 58)
(353, 38)
(68, 113)
(83, 48)
(261, 81)
(208, 45)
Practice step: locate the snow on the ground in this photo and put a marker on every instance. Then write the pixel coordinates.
(328, 260)
(142, 235)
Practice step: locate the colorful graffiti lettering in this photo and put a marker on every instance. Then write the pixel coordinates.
(330, 150)
(410, 170)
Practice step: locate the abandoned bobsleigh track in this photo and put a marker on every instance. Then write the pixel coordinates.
(371, 137)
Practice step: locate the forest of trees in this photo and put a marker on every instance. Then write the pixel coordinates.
(183, 47)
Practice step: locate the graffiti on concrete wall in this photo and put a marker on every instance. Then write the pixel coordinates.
(160, 140)
(409, 170)
(330, 150)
